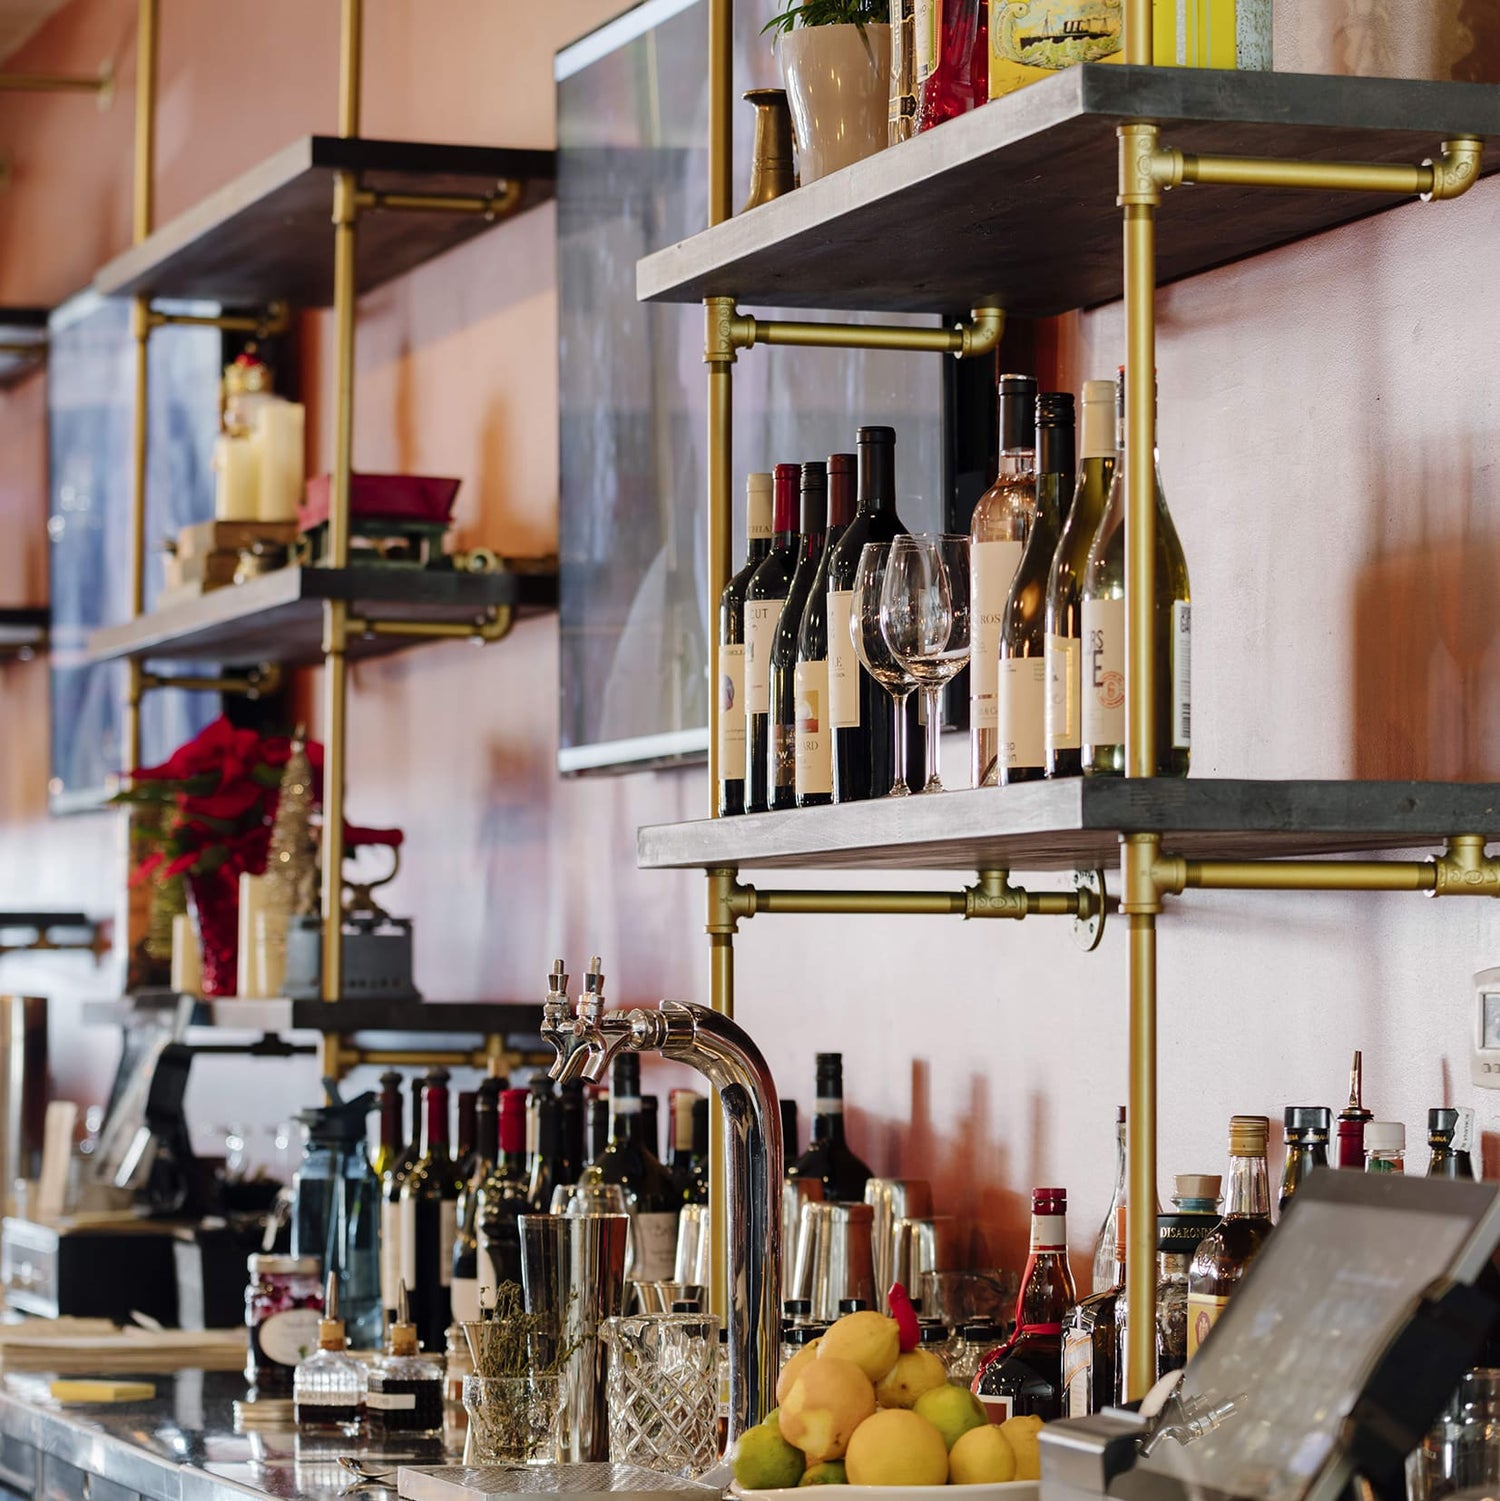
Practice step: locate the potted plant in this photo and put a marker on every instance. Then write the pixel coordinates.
(836, 66)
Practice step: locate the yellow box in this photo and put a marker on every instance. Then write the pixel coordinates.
(102, 1391)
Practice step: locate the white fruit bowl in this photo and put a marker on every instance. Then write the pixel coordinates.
(1011, 1490)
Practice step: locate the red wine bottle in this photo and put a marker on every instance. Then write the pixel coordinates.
(765, 595)
(429, 1219)
(828, 1158)
(732, 647)
(781, 770)
(466, 1240)
(504, 1195)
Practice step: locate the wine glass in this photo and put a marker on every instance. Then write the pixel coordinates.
(871, 647)
(924, 617)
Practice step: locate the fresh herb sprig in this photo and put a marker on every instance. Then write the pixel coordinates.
(830, 13)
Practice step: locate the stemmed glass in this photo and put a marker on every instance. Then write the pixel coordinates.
(872, 649)
(924, 617)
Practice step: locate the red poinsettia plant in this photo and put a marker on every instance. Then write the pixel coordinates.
(217, 797)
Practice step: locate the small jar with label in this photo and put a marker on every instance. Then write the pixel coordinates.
(328, 1390)
(404, 1391)
(283, 1305)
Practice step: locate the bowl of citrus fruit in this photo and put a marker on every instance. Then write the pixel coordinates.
(864, 1406)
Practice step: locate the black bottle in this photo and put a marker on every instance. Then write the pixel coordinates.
(764, 597)
(828, 1157)
(781, 765)
(758, 488)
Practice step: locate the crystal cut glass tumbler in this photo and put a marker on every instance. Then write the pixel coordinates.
(512, 1419)
(664, 1391)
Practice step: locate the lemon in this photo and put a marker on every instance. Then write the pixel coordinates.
(1021, 1435)
(793, 1366)
(869, 1339)
(829, 1399)
(915, 1372)
(952, 1410)
(982, 1457)
(896, 1447)
(763, 1461)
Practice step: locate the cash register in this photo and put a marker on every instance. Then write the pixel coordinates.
(1350, 1332)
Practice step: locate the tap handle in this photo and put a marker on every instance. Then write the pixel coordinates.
(591, 1002)
(557, 981)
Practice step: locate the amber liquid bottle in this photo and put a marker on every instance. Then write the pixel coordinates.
(1223, 1258)
(1307, 1128)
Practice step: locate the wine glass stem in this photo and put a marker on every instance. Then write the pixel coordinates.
(898, 773)
(934, 726)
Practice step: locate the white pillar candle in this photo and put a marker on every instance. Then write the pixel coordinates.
(187, 960)
(236, 488)
(252, 901)
(279, 427)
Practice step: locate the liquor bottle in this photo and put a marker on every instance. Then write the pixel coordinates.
(1021, 688)
(571, 1147)
(828, 1158)
(1065, 580)
(967, 1349)
(814, 754)
(997, 537)
(391, 1183)
(463, 1150)
(1221, 1261)
(1307, 1128)
(596, 1124)
(732, 647)
(765, 595)
(503, 1195)
(862, 712)
(698, 1161)
(1104, 1242)
(952, 58)
(388, 1151)
(404, 1388)
(654, 1203)
(545, 1170)
(781, 770)
(1103, 614)
(684, 1160)
(1448, 1160)
(651, 1124)
(1385, 1147)
(790, 1137)
(1178, 1237)
(429, 1219)
(1024, 1376)
(466, 1238)
(1353, 1118)
(1092, 1333)
(1198, 1193)
(328, 1387)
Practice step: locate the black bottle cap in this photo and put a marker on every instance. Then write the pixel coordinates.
(1308, 1118)
(700, 1127)
(1017, 412)
(1442, 1120)
(814, 517)
(876, 435)
(980, 1329)
(932, 1334)
(685, 1305)
(801, 1334)
(853, 1305)
(830, 1072)
(1054, 409)
(797, 1307)
(627, 1074)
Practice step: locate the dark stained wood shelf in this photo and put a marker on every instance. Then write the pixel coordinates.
(1015, 202)
(268, 235)
(1076, 823)
(23, 335)
(278, 617)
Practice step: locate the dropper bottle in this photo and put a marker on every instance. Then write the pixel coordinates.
(404, 1393)
(328, 1387)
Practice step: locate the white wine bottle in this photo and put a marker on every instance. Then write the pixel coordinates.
(1104, 668)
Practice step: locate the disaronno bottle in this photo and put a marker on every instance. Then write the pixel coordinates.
(1223, 1258)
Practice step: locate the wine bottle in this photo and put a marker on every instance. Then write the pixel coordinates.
(813, 772)
(504, 1194)
(791, 1148)
(545, 1170)
(861, 711)
(466, 1237)
(1021, 704)
(654, 1203)
(781, 771)
(596, 1125)
(765, 595)
(685, 1161)
(732, 646)
(997, 534)
(1104, 1243)
(429, 1219)
(463, 1150)
(698, 1158)
(651, 1125)
(1104, 677)
(1448, 1136)
(828, 1158)
(1064, 652)
(952, 58)
(391, 1183)
(1024, 1376)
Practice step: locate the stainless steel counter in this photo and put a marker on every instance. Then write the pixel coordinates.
(182, 1445)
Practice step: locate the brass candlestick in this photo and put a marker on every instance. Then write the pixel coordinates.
(771, 167)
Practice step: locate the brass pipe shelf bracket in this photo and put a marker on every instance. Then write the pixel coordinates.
(494, 625)
(17, 350)
(1448, 176)
(730, 330)
(255, 683)
(991, 895)
(101, 84)
(497, 205)
(275, 320)
(492, 1056)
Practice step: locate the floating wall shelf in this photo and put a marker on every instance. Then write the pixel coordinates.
(23, 343)
(268, 235)
(1015, 203)
(23, 632)
(1076, 823)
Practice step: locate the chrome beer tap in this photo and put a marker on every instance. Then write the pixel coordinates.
(723, 1053)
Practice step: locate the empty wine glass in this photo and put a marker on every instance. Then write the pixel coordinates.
(924, 617)
(871, 647)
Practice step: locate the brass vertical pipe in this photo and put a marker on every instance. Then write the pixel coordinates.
(720, 105)
(146, 35)
(1138, 37)
(351, 57)
(1140, 1222)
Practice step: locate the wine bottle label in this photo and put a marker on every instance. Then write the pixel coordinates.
(465, 1297)
(289, 1337)
(823, 1105)
(447, 1234)
(992, 566)
(407, 1267)
(760, 631)
(1062, 692)
(653, 1239)
(1182, 674)
(731, 712)
(814, 769)
(1077, 1372)
(625, 1104)
(1102, 673)
(391, 1401)
(390, 1251)
(843, 664)
(1022, 701)
(928, 15)
(1049, 1232)
(1203, 1312)
(758, 516)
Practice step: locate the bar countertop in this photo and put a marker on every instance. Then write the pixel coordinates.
(181, 1445)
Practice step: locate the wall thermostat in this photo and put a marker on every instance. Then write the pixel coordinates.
(1484, 1061)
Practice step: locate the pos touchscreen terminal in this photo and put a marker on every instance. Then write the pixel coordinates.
(1346, 1338)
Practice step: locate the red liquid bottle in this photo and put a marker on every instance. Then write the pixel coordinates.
(953, 59)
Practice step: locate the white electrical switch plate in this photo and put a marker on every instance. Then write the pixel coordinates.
(1484, 1061)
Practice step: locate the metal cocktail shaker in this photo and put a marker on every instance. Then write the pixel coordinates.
(573, 1269)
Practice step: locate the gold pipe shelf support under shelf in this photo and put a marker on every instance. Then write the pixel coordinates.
(504, 200)
(493, 1057)
(730, 330)
(100, 84)
(275, 320)
(1447, 176)
(494, 625)
(256, 682)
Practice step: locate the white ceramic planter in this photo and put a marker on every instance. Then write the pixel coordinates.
(838, 84)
